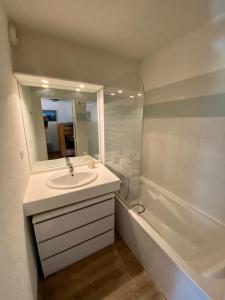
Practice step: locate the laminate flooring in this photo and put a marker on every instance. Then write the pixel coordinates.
(110, 274)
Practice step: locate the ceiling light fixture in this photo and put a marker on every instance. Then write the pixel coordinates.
(112, 94)
(81, 85)
(44, 85)
(77, 90)
(120, 91)
(131, 96)
(139, 94)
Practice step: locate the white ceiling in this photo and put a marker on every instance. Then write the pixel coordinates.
(130, 28)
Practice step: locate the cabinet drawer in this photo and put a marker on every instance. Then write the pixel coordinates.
(75, 237)
(56, 226)
(68, 257)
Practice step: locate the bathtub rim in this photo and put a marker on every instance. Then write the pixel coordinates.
(181, 201)
(197, 279)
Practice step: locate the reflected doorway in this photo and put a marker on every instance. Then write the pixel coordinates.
(59, 127)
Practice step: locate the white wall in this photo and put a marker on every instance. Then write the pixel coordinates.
(199, 52)
(27, 109)
(39, 126)
(18, 276)
(92, 129)
(33, 123)
(64, 113)
(44, 55)
(64, 109)
(123, 129)
(81, 128)
(184, 119)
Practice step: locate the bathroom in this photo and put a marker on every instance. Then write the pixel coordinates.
(122, 196)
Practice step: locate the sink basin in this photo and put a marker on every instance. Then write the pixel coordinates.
(63, 180)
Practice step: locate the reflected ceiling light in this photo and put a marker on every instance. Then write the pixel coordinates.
(77, 90)
(120, 91)
(81, 85)
(112, 94)
(44, 85)
(44, 81)
(139, 94)
(131, 96)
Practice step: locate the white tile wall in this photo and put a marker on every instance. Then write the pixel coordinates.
(123, 138)
(186, 156)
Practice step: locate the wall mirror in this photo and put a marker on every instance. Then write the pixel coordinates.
(61, 119)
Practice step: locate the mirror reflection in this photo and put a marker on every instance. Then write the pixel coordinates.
(59, 123)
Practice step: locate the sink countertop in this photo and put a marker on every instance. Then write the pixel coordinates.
(39, 197)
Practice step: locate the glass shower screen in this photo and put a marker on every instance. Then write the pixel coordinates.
(123, 115)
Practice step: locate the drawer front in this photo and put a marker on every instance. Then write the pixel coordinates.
(53, 227)
(75, 237)
(68, 257)
(57, 212)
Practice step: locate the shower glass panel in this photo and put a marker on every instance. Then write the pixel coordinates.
(123, 114)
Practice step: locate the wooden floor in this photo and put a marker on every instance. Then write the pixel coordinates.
(111, 274)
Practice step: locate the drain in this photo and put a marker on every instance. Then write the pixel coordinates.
(140, 208)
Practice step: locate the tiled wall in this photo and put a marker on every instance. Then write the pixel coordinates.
(123, 137)
(184, 149)
(92, 129)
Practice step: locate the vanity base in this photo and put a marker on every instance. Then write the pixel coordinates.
(68, 234)
(70, 256)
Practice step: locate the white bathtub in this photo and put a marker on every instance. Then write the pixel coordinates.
(181, 249)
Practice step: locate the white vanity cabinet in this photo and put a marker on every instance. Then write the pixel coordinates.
(66, 235)
(70, 224)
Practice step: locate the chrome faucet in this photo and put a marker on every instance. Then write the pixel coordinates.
(69, 165)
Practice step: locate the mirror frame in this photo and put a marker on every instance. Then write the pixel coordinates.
(56, 83)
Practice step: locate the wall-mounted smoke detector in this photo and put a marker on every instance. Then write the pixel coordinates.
(12, 35)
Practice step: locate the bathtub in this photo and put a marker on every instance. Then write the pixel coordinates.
(181, 249)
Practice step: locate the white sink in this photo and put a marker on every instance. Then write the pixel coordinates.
(63, 180)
